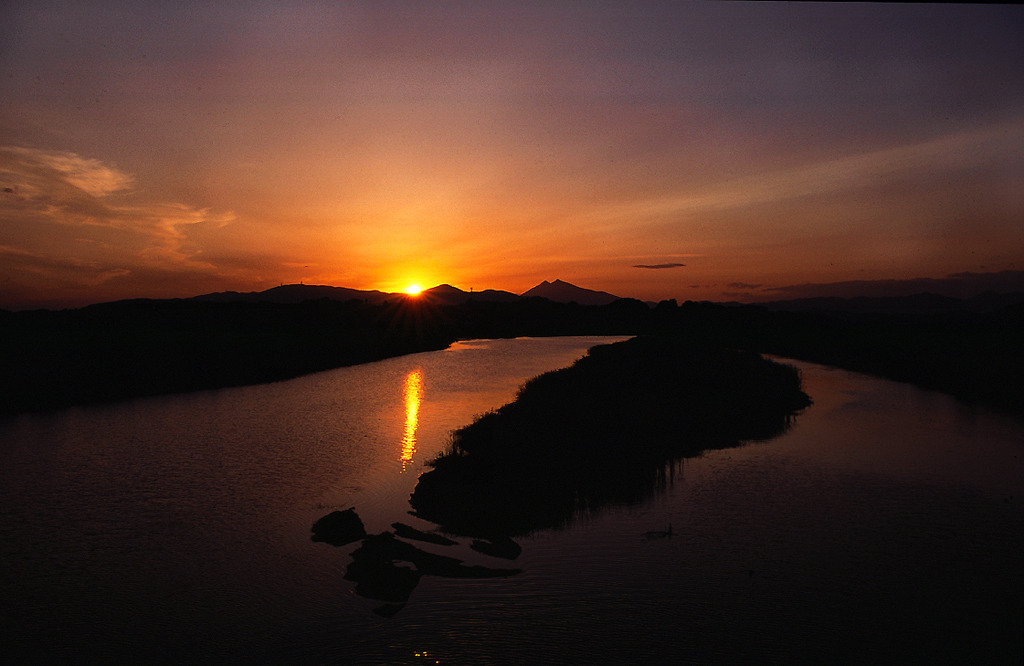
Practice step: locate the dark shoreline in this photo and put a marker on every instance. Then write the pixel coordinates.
(121, 351)
(131, 349)
(117, 351)
(975, 357)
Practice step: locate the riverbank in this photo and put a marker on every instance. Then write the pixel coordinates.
(126, 350)
(974, 356)
(130, 349)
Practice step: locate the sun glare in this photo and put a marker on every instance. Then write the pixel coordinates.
(413, 289)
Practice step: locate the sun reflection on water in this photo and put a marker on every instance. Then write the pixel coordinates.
(413, 396)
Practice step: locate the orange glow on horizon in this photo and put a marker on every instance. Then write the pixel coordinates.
(438, 149)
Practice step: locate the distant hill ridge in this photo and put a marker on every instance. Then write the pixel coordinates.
(557, 291)
(294, 293)
(923, 303)
(560, 291)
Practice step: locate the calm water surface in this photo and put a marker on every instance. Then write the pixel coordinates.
(887, 525)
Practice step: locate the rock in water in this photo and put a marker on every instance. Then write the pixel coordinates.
(339, 528)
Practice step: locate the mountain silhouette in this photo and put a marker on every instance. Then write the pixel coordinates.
(564, 292)
(558, 291)
(294, 293)
(443, 294)
(449, 295)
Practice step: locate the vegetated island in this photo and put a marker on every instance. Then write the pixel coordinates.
(574, 440)
(601, 432)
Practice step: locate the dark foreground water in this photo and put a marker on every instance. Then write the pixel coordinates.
(886, 525)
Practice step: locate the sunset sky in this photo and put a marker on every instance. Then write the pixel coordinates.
(654, 150)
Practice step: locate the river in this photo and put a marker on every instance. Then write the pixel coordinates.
(885, 525)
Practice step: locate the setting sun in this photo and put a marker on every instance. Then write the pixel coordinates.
(413, 289)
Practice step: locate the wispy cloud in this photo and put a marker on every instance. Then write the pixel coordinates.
(962, 150)
(658, 266)
(63, 188)
(91, 176)
(64, 226)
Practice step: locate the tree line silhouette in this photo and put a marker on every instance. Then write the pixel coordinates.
(114, 351)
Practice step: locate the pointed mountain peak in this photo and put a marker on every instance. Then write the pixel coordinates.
(561, 291)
